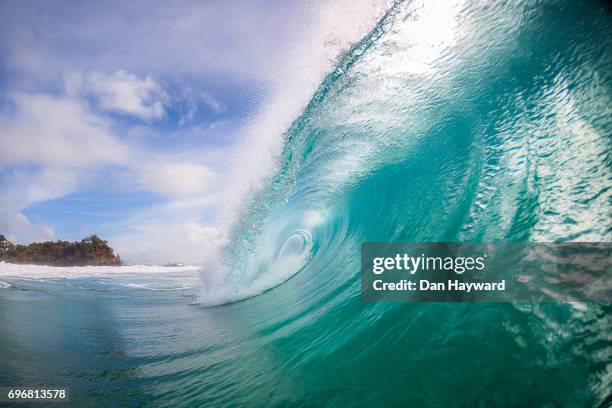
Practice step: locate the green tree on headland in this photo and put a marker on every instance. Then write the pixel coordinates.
(89, 251)
(5, 244)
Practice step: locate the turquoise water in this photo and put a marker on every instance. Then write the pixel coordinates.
(446, 123)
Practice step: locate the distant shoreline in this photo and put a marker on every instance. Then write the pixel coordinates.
(90, 251)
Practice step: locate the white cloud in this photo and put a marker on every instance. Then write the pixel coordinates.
(122, 93)
(190, 102)
(53, 145)
(24, 188)
(20, 189)
(186, 241)
(58, 131)
(203, 38)
(177, 179)
(211, 102)
(18, 228)
(174, 231)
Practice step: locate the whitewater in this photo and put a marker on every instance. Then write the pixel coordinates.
(146, 277)
(448, 122)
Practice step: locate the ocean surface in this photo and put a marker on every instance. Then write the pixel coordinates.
(462, 121)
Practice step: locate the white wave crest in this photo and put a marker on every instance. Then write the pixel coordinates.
(42, 271)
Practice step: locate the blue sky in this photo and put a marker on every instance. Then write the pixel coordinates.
(144, 121)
